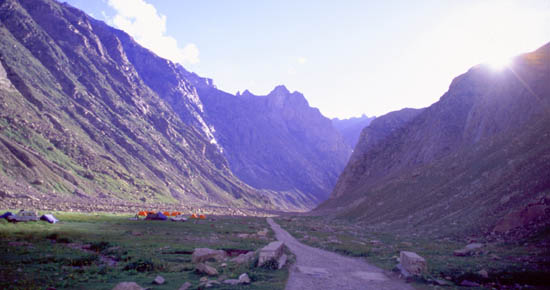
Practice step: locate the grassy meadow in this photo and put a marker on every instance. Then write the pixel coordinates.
(97, 251)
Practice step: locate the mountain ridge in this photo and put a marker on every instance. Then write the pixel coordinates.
(459, 149)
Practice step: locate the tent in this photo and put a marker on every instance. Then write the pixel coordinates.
(142, 213)
(6, 215)
(202, 217)
(175, 213)
(156, 216)
(178, 218)
(194, 216)
(49, 218)
(23, 216)
(166, 213)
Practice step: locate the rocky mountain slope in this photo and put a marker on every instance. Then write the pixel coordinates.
(478, 159)
(276, 142)
(82, 115)
(351, 128)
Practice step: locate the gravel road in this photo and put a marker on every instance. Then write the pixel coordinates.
(317, 269)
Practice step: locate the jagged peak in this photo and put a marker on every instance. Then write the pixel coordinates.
(280, 89)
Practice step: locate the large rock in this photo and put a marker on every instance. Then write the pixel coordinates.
(272, 251)
(205, 254)
(205, 269)
(413, 263)
(243, 258)
(128, 286)
(159, 280)
(185, 286)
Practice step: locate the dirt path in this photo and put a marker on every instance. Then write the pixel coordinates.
(316, 269)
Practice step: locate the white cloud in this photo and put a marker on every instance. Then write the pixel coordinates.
(302, 60)
(148, 27)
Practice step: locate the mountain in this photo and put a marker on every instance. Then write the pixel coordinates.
(476, 160)
(89, 114)
(83, 116)
(276, 142)
(351, 128)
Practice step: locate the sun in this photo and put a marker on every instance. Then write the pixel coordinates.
(499, 63)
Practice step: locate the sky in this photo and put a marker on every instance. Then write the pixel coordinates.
(348, 58)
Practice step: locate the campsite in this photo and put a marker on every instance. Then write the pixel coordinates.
(100, 250)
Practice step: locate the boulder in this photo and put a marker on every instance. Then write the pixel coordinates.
(244, 279)
(205, 269)
(231, 281)
(412, 263)
(272, 251)
(185, 286)
(159, 280)
(204, 254)
(243, 258)
(128, 286)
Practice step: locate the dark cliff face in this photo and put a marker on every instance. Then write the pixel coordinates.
(81, 111)
(454, 161)
(351, 128)
(276, 142)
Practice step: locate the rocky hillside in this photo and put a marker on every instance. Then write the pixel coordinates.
(83, 115)
(276, 142)
(478, 159)
(351, 128)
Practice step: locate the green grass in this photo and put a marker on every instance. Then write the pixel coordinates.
(37, 255)
(525, 262)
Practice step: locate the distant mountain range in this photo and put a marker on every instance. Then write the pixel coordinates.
(478, 159)
(85, 111)
(351, 128)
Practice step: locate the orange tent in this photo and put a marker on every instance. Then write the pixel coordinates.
(175, 213)
(202, 217)
(166, 213)
(150, 212)
(194, 216)
(142, 213)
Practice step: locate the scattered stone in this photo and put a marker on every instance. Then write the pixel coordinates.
(159, 280)
(128, 286)
(467, 250)
(231, 281)
(224, 265)
(204, 254)
(483, 273)
(185, 286)
(262, 233)
(244, 279)
(243, 258)
(208, 270)
(272, 251)
(407, 244)
(468, 283)
(412, 263)
(442, 282)
(243, 236)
